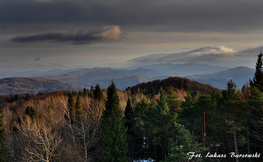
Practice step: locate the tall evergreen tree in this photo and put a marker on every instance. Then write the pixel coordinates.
(85, 92)
(258, 77)
(130, 123)
(90, 94)
(141, 128)
(183, 145)
(98, 93)
(255, 123)
(234, 114)
(163, 121)
(113, 130)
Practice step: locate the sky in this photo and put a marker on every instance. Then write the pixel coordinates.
(64, 34)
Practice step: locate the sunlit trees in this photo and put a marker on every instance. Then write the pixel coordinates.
(40, 141)
(3, 149)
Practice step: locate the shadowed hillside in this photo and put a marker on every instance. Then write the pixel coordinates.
(176, 82)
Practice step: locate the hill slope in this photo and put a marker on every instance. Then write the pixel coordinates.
(176, 82)
(9, 74)
(33, 85)
(239, 75)
(190, 68)
(103, 76)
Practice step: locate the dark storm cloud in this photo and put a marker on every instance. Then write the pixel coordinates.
(80, 37)
(166, 15)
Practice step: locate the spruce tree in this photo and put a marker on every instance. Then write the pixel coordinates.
(255, 123)
(163, 121)
(98, 93)
(30, 111)
(235, 116)
(90, 94)
(113, 131)
(85, 92)
(183, 145)
(258, 77)
(130, 123)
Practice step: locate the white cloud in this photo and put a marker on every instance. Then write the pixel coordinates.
(214, 50)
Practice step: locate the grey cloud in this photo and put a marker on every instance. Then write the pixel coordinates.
(202, 55)
(251, 52)
(37, 58)
(79, 37)
(205, 15)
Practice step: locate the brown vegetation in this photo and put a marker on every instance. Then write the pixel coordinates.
(176, 82)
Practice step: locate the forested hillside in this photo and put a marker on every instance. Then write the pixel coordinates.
(160, 120)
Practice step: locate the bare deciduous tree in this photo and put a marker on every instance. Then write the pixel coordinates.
(41, 141)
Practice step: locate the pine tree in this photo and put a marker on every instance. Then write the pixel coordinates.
(113, 130)
(98, 93)
(173, 102)
(130, 123)
(258, 77)
(234, 114)
(30, 111)
(163, 121)
(85, 92)
(90, 94)
(183, 145)
(140, 111)
(255, 123)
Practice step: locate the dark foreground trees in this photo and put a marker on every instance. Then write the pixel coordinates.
(113, 131)
(258, 77)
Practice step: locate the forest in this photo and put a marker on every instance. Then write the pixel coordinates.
(173, 120)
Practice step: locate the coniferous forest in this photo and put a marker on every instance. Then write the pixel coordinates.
(174, 120)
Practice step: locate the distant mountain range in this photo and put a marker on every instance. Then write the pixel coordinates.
(8, 74)
(103, 76)
(185, 69)
(123, 78)
(33, 85)
(240, 75)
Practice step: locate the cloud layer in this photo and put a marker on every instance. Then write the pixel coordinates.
(165, 15)
(202, 55)
(79, 37)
